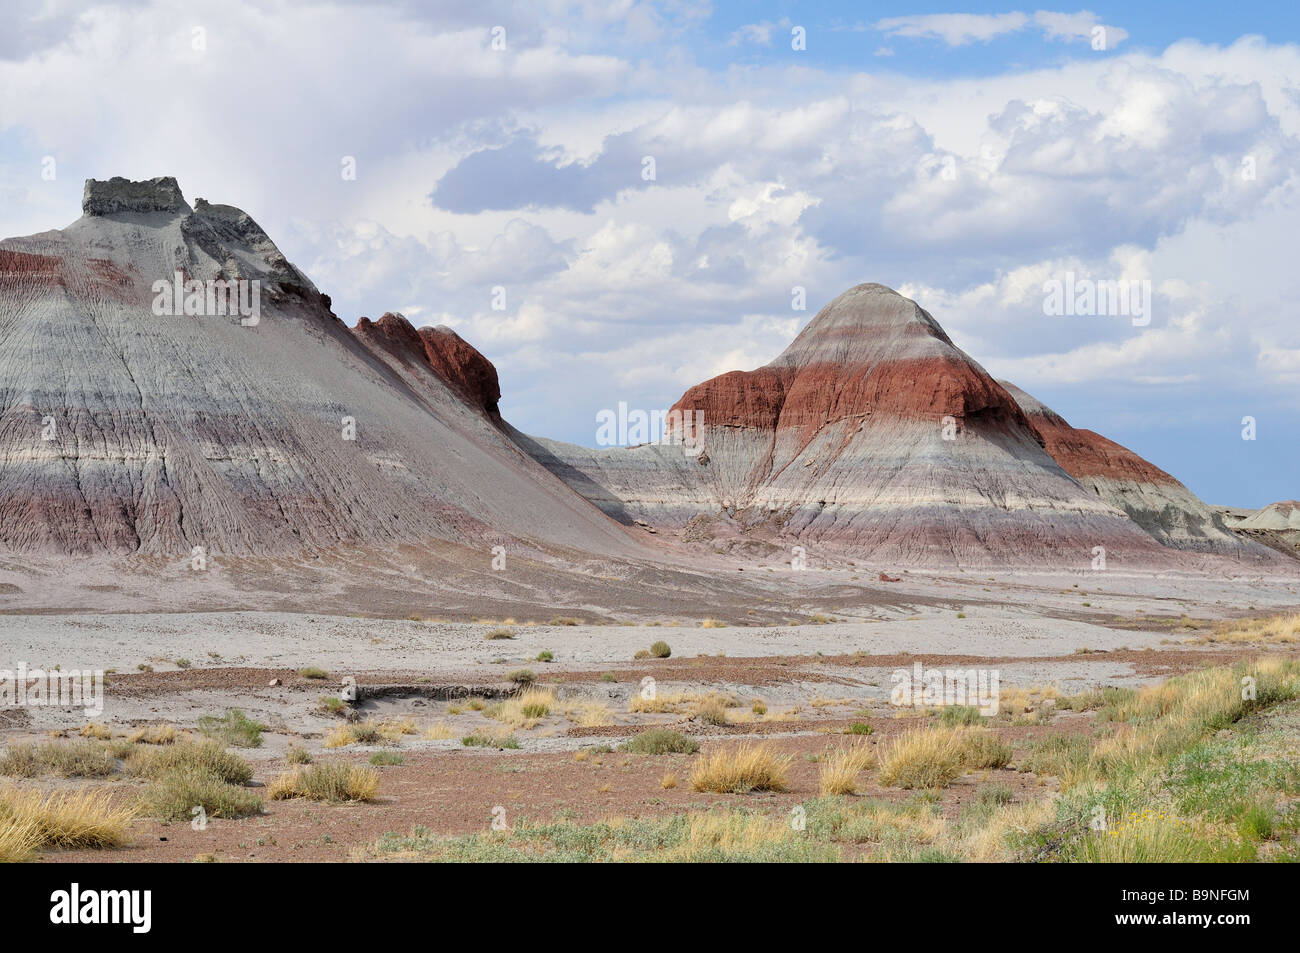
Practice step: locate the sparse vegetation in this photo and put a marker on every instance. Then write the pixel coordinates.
(840, 769)
(661, 649)
(234, 728)
(156, 734)
(31, 820)
(312, 672)
(174, 795)
(67, 759)
(326, 782)
(496, 635)
(660, 741)
(739, 770)
(389, 731)
(487, 741)
(206, 755)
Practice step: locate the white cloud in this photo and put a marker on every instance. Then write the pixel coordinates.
(955, 29)
(960, 29)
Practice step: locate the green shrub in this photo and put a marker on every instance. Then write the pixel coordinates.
(234, 728)
(660, 741)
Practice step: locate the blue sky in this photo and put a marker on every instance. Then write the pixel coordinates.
(964, 155)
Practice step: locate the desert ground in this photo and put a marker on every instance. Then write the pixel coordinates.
(504, 737)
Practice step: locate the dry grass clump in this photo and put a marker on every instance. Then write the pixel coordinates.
(389, 731)
(68, 759)
(840, 769)
(95, 730)
(723, 835)
(678, 702)
(926, 758)
(1034, 701)
(20, 761)
(713, 624)
(163, 734)
(206, 756)
(439, 731)
(527, 709)
(19, 839)
(982, 748)
(739, 770)
(711, 711)
(565, 620)
(496, 635)
(1278, 629)
(31, 820)
(326, 782)
(934, 757)
(587, 712)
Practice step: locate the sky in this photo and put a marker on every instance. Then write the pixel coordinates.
(965, 156)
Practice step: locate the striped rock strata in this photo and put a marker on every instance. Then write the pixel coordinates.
(1151, 497)
(871, 433)
(125, 431)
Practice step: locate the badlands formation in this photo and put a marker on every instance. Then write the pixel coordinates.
(874, 435)
(124, 431)
(129, 427)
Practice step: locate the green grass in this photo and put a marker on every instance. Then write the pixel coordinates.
(313, 672)
(486, 741)
(660, 649)
(173, 796)
(1057, 755)
(660, 741)
(1189, 772)
(384, 758)
(731, 837)
(959, 715)
(234, 728)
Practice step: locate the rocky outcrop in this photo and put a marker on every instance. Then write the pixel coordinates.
(1281, 516)
(871, 434)
(135, 420)
(462, 367)
(1276, 526)
(440, 350)
(117, 195)
(1151, 497)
